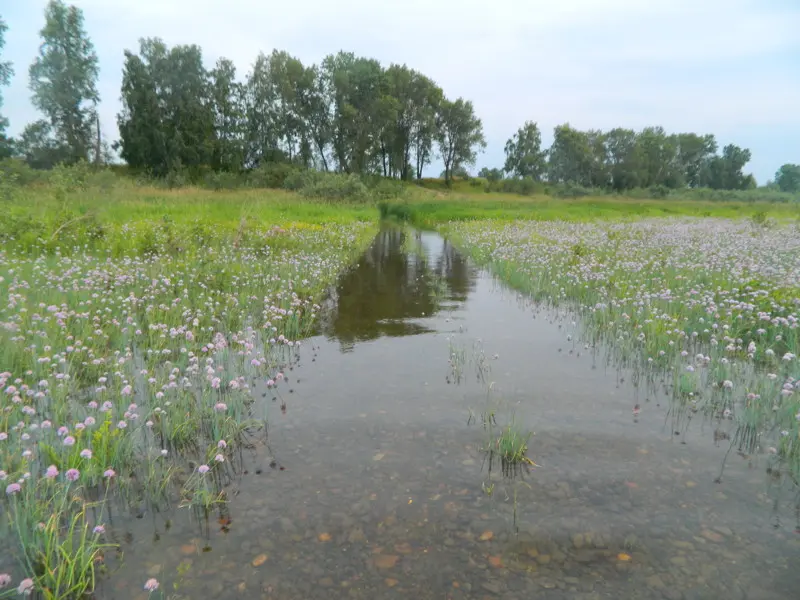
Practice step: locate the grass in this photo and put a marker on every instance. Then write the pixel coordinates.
(427, 210)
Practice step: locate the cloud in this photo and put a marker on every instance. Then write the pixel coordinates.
(720, 66)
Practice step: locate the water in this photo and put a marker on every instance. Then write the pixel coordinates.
(373, 483)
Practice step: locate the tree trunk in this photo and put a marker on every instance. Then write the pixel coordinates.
(97, 157)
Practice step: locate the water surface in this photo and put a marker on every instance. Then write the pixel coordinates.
(383, 491)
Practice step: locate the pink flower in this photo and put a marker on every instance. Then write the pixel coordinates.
(151, 585)
(219, 458)
(25, 587)
(109, 473)
(127, 390)
(89, 421)
(203, 469)
(98, 529)
(5, 580)
(220, 407)
(12, 489)
(51, 472)
(69, 441)
(86, 453)
(122, 425)
(222, 444)
(73, 474)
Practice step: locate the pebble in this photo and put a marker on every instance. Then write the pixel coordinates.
(711, 536)
(492, 586)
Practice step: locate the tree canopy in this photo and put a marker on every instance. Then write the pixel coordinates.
(622, 159)
(63, 81)
(348, 114)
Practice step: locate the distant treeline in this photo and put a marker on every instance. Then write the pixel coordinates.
(348, 114)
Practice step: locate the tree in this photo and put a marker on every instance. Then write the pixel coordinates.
(491, 175)
(459, 134)
(167, 121)
(725, 172)
(227, 101)
(63, 80)
(623, 158)
(659, 159)
(357, 86)
(787, 178)
(570, 156)
(39, 147)
(423, 129)
(694, 152)
(6, 71)
(524, 155)
(142, 127)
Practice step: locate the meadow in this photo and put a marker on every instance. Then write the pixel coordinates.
(136, 321)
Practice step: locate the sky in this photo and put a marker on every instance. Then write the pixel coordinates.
(727, 67)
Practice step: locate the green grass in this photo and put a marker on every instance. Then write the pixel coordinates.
(430, 209)
(126, 202)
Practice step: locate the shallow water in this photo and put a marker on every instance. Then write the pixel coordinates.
(383, 491)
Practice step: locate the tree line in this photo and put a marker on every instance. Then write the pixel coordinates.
(347, 114)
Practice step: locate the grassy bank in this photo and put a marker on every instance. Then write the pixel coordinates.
(429, 210)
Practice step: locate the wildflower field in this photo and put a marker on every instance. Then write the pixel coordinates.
(128, 352)
(709, 305)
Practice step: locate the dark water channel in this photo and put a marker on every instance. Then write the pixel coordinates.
(384, 493)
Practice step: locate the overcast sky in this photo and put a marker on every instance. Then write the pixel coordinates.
(728, 67)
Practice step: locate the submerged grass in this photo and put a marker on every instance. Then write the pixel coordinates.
(710, 305)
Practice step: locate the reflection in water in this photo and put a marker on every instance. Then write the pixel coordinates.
(381, 495)
(402, 278)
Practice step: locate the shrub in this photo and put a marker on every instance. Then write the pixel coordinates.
(573, 190)
(336, 187)
(401, 212)
(388, 189)
(271, 175)
(298, 180)
(222, 180)
(104, 179)
(20, 172)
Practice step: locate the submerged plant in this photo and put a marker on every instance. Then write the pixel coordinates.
(709, 304)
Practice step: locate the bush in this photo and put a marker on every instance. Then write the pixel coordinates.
(401, 212)
(300, 179)
(336, 187)
(20, 172)
(271, 175)
(104, 179)
(388, 189)
(222, 180)
(176, 178)
(573, 190)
